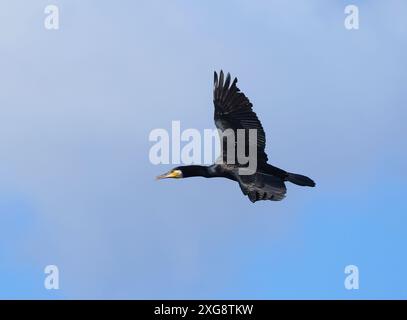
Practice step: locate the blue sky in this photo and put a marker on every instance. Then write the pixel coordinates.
(77, 189)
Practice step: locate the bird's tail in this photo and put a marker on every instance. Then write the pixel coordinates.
(300, 180)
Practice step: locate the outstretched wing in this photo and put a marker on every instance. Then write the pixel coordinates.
(233, 110)
(262, 186)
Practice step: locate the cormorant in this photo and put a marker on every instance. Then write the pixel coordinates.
(233, 110)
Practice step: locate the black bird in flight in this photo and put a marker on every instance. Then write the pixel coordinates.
(233, 110)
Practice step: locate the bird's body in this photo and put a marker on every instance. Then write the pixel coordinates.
(233, 111)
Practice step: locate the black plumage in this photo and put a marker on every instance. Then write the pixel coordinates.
(234, 111)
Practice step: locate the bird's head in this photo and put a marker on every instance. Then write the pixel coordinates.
(175, 173)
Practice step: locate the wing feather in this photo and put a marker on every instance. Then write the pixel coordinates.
(262, 186)
(233, 110)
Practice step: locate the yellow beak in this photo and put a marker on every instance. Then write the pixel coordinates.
(171, 174)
